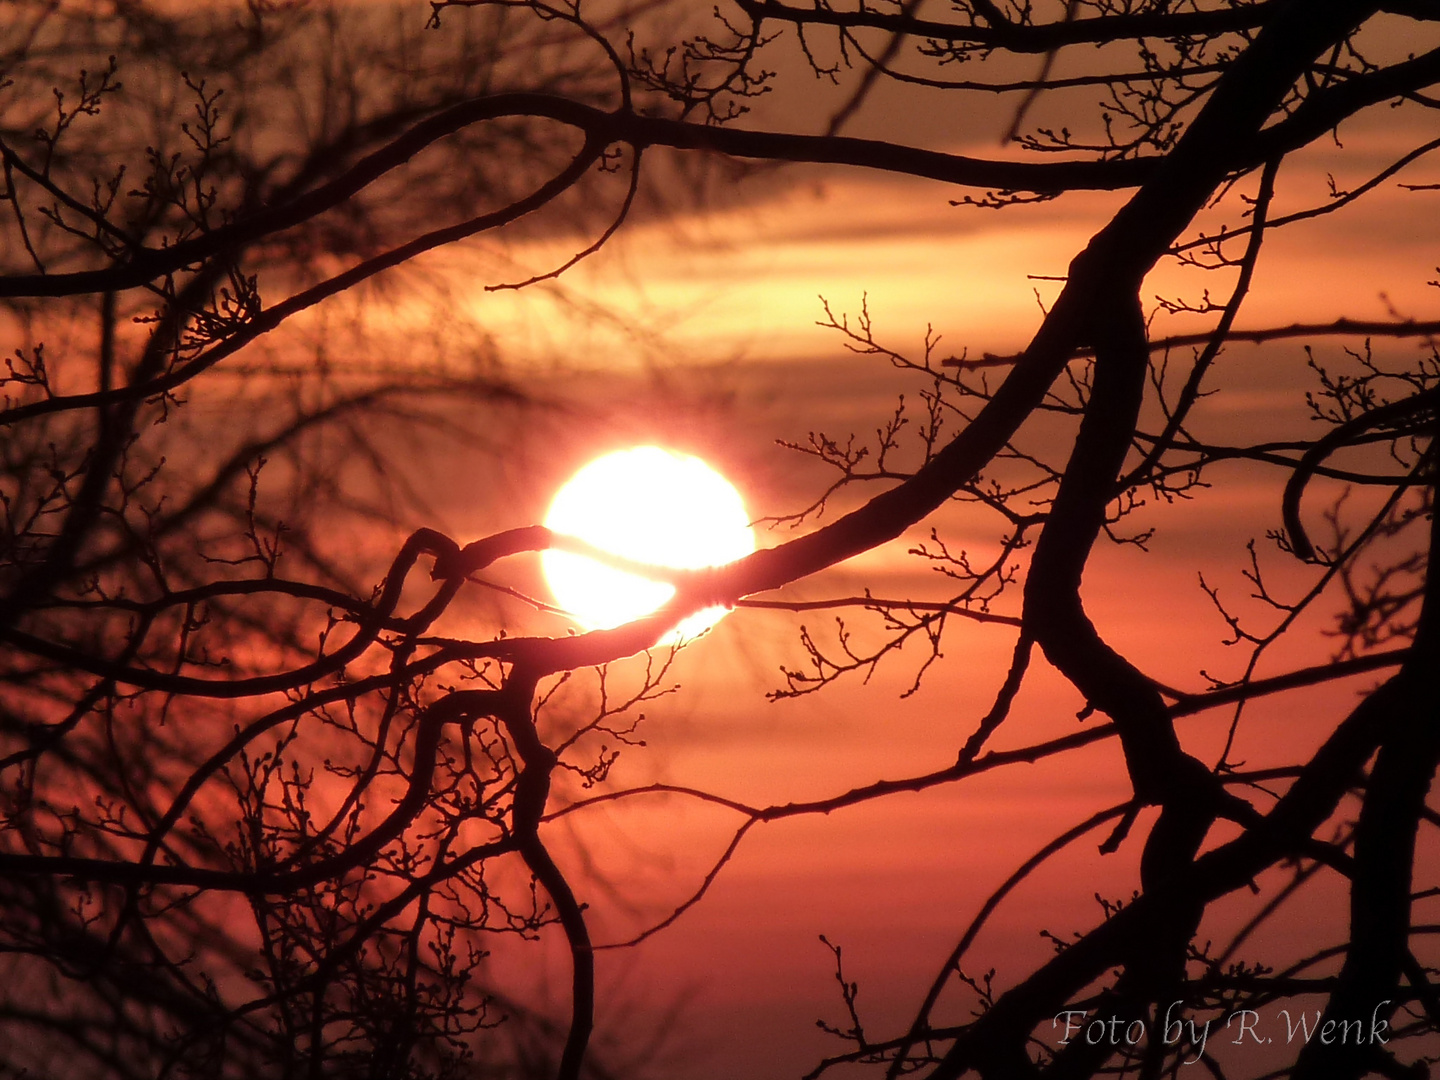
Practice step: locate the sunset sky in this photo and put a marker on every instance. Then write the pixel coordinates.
(700, 327)
(714, 348)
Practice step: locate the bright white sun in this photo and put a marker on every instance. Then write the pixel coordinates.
(653, 506)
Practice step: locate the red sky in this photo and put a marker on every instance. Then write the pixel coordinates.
(715, 350)
(895, 881)
(697, 330)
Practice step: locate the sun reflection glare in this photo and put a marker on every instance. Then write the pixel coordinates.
(651, 505)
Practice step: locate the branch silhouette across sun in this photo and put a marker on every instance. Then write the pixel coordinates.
(646, 505)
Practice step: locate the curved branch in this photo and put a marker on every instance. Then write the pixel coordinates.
(450, 709)
(601, 129)
(144, 265)
(1190, 393)
(1286, 829)
(371, 623)
(271, 317)
(1392, 413)
(1117, 258)
(1318, 211)
(1324, 109)
(952, 962)
(1385, 835)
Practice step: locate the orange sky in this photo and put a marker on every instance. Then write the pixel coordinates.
(698, 331)
(713, 348)
(746, 282)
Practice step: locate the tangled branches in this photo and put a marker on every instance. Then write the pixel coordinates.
(260, 815)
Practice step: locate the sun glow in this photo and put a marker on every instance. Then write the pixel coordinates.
(653, 506)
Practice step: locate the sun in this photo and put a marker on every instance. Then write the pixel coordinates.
(651, 505)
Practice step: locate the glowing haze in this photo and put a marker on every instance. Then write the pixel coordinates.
(649, 505)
